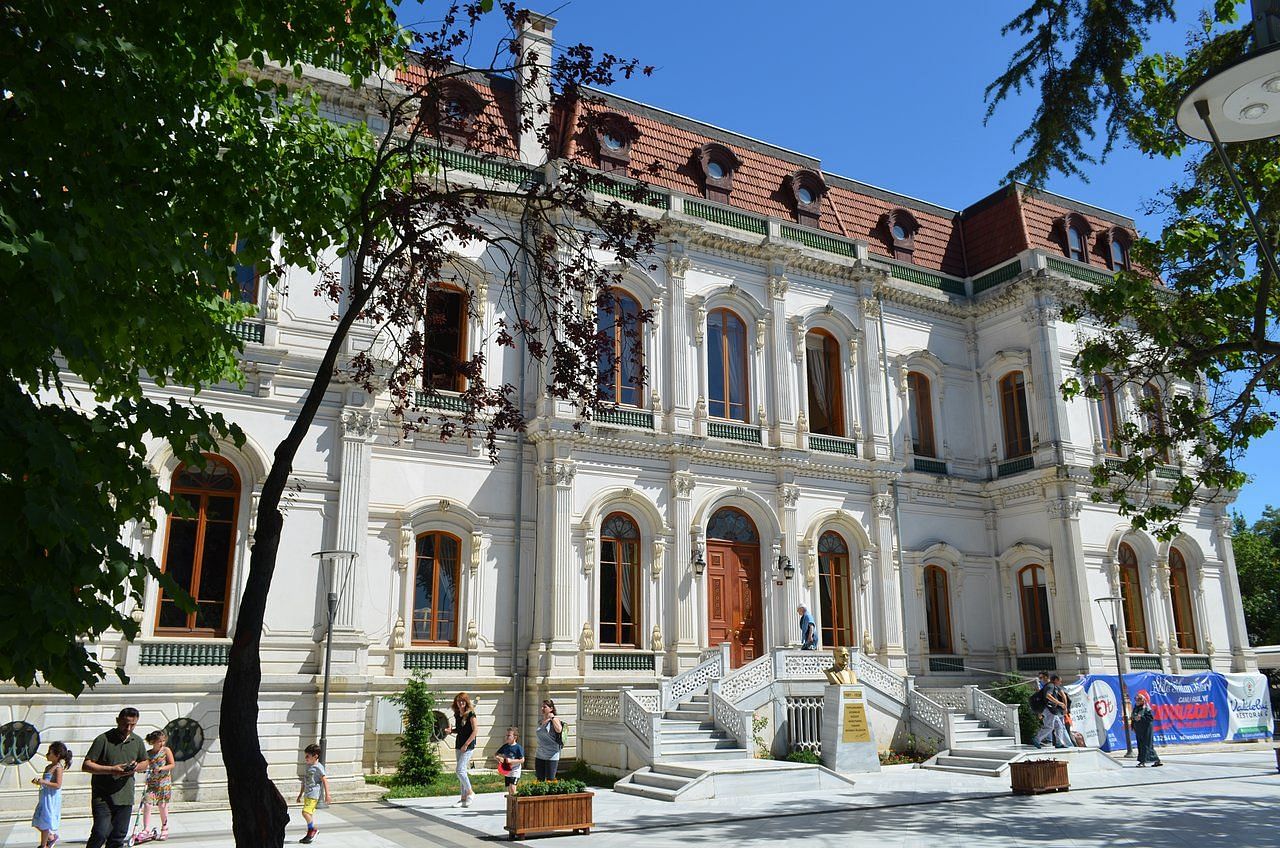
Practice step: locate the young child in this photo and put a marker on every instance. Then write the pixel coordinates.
(314, 787)
(48, 816)
(159, 788)
(510, 759)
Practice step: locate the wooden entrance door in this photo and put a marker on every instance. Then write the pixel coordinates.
(734, 613)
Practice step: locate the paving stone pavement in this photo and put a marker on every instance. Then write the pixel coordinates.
(1202, 800)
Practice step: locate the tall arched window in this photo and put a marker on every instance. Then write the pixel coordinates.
(619, 580)
(435, 589)
(835, 590)
(1075, 244)
(1108, 422)
(1119, 255)
(200, 548)
(920, 399)
(937, 608)
(245, 277)
(621, 363)
(727, 365)
(1180, 591)
(1135, 618)
(826, 397)
(444, 349)
(1035, 610)
(1155, 415)
(1014, 416)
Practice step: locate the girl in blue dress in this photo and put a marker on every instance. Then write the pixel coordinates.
(48, 816)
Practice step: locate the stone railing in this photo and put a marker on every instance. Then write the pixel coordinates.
(881, 679)
(801, 665)
(995, 713)
(695, 680)
(599, 706)
(804, 723)
(932, 715)
(744, 681)
(733, 721)
(642, 722)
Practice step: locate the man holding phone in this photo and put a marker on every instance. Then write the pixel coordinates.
(113, 758)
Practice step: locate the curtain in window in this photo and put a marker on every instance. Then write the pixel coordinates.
(736, 353)
(199, 549)
(619, 580)
(1014, 415)
(1035, 610)
(1135, 617)
(1180, 590)
(919, 397)
(821, 413)
(435, 589)
(937, 610)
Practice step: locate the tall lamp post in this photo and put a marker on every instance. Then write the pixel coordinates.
(1241, 102)
(1112, 619)
(333, 558)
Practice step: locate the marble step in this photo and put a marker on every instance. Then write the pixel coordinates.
(987, 742)
(676, 748)
(660, 780)
(969, 765)
(687, 715)
(706, 754)
(656, 793)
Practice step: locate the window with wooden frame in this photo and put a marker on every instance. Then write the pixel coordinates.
(1076, 244)
(1118, 250)
(825, 383)
(1154, 413)
(727, 365)
(1035, 610)
(619, 581)
(437, 566)
(920, 399)
(1015, 418)
(246, 282)
(444, 343)
(937, 608)
(200, 548)
(1184, 623)
(1135, 617)
(1108, 420)
(620, 360)
(835, 590)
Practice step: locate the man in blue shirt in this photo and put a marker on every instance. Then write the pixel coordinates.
(808, 630)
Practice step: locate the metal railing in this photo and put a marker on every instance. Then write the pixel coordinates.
(736, 432)
(1003, 274)
(833, 444)
(726, 217)
(626, 417)
(1016, 466)
(804, 723)
(930, 466)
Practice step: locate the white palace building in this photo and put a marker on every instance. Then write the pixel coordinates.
(853, 405)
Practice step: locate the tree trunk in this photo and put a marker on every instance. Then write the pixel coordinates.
(259, 813)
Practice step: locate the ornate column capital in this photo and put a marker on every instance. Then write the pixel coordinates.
(683, 482)
(358, 423)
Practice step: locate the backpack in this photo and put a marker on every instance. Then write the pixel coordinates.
(559, 735)
(1039, 700)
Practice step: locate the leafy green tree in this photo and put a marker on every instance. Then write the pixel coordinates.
(138, 170)
(419, 759)
(1205, 333)
(1257, 551)
(1015, 690)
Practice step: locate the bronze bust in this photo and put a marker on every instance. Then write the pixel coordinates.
(841, 673)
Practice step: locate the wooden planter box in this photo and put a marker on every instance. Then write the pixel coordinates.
(1031, 777)
(549, 813)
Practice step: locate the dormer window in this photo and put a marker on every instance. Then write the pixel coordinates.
(1075, 230)
(902, 227)
(1075, 244)
(806, 189)
(718, 164)
(613, 136)
(1118, 249)
(459, 107)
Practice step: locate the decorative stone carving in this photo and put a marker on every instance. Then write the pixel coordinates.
(473, 635)
(870, 307)
(405, 553)
(587, 638)
(398, 634)
(700, 409)
(445, 504)
(883, 504)
(682, 482)
(559, 472)
(789, 494)
(1063, 508)
(810, 567)
(802, 423)
(700, 320)
(798, 334)
(477, 548)
(868, 647)
(358, 423)
(271, 312)
(659, 558)
(655, 640)
(778, 286)
(677, 266)
(588, 554)
(1208, 647)
(760, 331)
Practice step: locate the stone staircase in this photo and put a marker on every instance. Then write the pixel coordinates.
(976, 747)
(687, 735)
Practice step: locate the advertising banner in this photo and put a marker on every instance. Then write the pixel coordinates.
(1084, 720)
(1188, 708)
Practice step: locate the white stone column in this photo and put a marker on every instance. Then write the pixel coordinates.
(656, 338)
(679, 389)
(566, 575)
(1072, 608)
(699, 307)
(890, 640)
(876, 434)
(359, 427)
(784, 389)
(793, 593)
(1236, 630)
(680, 577)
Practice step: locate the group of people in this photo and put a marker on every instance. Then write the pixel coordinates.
(510, 756)
(113, 760)
(1051, 703)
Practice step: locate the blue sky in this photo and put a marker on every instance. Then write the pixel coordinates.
(884, 93)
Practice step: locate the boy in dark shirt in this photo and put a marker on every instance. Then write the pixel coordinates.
(510, 759)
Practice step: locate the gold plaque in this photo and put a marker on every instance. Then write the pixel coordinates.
(854, 727)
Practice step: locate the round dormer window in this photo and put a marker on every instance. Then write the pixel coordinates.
(804, 195)
(612, 142)
(899, 232)
(715, 170)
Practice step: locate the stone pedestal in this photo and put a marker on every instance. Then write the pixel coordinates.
(848, 742)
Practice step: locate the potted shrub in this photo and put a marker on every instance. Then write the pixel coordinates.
(549, 805)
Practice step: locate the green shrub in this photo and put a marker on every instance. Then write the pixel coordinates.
(804, 757)
(419, 760)
(550, 787)
(585, 773)
(1012, 689)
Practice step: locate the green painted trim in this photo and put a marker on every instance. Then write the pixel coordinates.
(626, 417)
(737, 432)
(183, 654)
(930, 466)
(1016, 466)
(622, 661)
(1039, 662)
(448, 402)
(435, 660)
(249, 332)
(486, 166)
(726, 217)
(626, 191)
(998, 276)
(1078, 271)
(1146, 663)
(925, 278)
(819, 241)
(946, 664)
(833, 444)
(1194, 663)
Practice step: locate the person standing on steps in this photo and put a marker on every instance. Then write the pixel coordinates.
(550, 742)
(112, 760)
(808, 630)
(1143, 721)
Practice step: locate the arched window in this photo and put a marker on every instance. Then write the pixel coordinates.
(727, 365)
(435, 589)
(1075, 244)
(1154, 414)
(445, 340)
(619, 580)
(1135, 618)
(835, 588)
(919, 398)
(1014, 416)
(937, 608)
(1119, 255)
(245, 278)
(732, 525)
(1035, 610)
(620, 364)
(1108, 422)
(1180, 589)
(200, 548)
(826, 398)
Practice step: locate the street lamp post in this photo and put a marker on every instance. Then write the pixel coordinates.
(332, 557)
(1112, 621)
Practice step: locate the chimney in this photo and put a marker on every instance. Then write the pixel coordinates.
(533, 92)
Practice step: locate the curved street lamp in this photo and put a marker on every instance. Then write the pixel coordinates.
(1113, 602)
